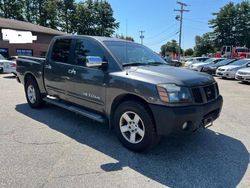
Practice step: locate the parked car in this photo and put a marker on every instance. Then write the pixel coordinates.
(10, 65)
(230, 70)
(243, 74)
(136, 92)
(198, 66)
(174, 63)
(195, 60)
(211, 69)
(4, 64)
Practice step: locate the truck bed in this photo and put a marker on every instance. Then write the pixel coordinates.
(32, 66)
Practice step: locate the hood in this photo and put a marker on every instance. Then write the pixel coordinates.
(230, 67)
(200, 64)
(168, 74)
(5, 61)
(247, 70)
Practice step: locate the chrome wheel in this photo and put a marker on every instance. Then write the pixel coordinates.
(132, 127)
(31, 94)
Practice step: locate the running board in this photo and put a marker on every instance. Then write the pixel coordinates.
(75, 109)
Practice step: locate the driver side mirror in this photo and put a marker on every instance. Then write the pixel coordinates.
(94, 62)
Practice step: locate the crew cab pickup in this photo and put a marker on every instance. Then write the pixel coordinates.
(123, 84)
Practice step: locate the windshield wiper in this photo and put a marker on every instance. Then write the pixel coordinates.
(133, 64)
(157, 63)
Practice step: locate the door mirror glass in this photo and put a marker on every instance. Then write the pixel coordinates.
(94, 61)
(248, 65)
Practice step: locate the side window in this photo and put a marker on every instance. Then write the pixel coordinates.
(60, 51)
(86, 48)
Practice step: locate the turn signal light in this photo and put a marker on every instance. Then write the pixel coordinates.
(163, 94)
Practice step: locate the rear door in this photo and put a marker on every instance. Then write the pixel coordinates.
(87, 88)
(57, 68)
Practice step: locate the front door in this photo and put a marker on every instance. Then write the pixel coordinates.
(87, 88)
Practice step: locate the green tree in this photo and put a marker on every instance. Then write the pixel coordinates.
(170, 48)
(12, 9)
(67, 14)
(204, 44)
(231, 25)
(52, 19)
(189, 52)
(95, 18)
(128, 38)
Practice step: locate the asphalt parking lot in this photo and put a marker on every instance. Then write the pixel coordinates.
(52, 147)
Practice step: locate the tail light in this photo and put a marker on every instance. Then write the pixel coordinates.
(13, 65)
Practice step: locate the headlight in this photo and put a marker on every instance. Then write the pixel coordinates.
(230, 69)
(171, 93)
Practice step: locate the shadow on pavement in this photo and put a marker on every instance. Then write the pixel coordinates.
(204, 159)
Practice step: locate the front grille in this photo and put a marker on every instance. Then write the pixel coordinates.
(210, 92)
(221, 69)
(197, 95)
(206, 93)
(243, 73)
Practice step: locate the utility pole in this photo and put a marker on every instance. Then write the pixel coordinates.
(142, 36)
(180, 18)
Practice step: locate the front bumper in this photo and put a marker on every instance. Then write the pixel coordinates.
(226, 74)
(209, 71)
(171, 119)
(240, 77)
(196, 69)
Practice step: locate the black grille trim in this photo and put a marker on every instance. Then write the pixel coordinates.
(204, 94)
(197, 95)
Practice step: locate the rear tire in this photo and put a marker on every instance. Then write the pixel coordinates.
(134, 126)
(33, 94)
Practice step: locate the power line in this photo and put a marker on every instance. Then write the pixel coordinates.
(163, 39)
(142, 36)
(162, 32)
(180, 17)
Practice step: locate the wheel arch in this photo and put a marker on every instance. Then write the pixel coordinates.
(128, 97)
(29, 75)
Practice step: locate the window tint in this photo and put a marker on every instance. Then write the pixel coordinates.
(86, 48)
(228, 49)
(60, 52)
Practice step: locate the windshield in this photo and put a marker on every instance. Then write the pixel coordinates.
(1, 57)
(225, 62)
(240, 62)
(128, 53)
(209, 61)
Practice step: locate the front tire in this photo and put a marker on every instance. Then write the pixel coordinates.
(33, 94)
(134, 126)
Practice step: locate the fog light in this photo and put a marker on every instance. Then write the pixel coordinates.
(184, 126)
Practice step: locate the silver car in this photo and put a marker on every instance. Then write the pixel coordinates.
(198, 66)
(243, 74)
(229, 71)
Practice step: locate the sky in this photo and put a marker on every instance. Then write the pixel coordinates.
(157, 19)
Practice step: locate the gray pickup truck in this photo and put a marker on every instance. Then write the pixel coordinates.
(122, 84)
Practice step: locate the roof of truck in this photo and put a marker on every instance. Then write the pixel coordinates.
(99, 38)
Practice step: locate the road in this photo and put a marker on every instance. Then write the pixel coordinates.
(52, 147)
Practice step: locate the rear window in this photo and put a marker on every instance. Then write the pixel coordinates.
(60, 51)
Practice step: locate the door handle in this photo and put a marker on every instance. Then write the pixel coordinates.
(72, 71)
(48, 66)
